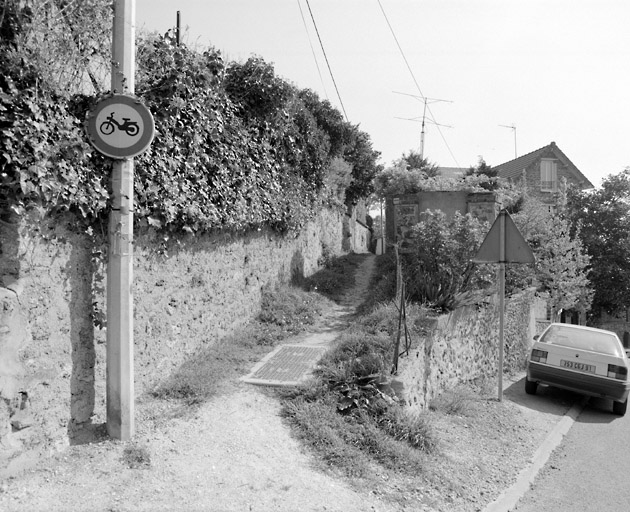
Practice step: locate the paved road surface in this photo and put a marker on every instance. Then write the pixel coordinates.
(590, 470)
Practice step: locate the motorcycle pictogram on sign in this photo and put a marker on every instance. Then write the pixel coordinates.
(110, 124)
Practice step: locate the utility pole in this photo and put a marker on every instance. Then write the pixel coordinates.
(513, 128)
(120, 383)
(426, 101)
(178, 28)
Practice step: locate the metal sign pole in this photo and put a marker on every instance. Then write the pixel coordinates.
(501, 301)
(120, 385)
(503, 244)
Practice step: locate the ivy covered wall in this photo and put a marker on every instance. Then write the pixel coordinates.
(247, 180)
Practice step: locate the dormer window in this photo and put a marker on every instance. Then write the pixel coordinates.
(548, 175)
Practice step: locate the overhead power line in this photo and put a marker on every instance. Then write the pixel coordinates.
(308, 35)
(402, 53)
(326, 58)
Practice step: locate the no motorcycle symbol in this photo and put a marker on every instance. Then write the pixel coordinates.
(110, 124)
(120, 126)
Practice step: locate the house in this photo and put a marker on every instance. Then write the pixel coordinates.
(542, 171)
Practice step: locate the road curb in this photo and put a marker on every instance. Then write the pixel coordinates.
(510, 497)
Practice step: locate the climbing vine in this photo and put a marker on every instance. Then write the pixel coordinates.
(236, 146)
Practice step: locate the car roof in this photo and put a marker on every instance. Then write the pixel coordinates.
(581, 327)
(584, 338)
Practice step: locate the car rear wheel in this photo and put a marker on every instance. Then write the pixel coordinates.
(530, 386)
(620, 407)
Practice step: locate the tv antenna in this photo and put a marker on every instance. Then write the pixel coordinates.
(426, 102)
(513, 128)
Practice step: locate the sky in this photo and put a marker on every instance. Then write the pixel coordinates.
(500, 77)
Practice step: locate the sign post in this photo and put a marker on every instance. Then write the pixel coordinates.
(120, 383)
(120, 127)
(503, 244)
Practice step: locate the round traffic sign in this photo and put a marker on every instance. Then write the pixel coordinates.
(120, 126)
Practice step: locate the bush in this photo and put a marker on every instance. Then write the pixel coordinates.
(439, 267)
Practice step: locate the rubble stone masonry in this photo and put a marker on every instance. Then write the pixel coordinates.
(188, 293)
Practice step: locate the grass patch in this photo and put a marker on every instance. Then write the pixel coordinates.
(136, 457)
(335, 278)
(383, 284)
(354, 443)
(350, 415)
(462, 400)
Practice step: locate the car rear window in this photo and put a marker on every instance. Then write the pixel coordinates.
(583, 339)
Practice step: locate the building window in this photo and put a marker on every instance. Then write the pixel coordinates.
(548, 175)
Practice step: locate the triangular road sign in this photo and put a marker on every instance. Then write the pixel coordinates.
(504, 243)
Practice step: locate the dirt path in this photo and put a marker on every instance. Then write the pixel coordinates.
(235, 454)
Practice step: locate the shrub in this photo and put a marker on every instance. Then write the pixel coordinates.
(439, 266)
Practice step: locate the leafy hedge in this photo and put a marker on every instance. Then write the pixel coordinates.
(236, 146)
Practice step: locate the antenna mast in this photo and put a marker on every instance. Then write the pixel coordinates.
(426, 101)
(513, 128)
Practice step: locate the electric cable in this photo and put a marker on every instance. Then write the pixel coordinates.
(308, 35)
(402, 53)
(327, 63)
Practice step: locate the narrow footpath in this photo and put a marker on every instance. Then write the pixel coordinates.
(235, 454)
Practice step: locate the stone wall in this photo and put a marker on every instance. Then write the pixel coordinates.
(188, 293)
(462, 346)
(356, 235)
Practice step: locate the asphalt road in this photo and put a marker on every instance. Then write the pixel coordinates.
(590, 470)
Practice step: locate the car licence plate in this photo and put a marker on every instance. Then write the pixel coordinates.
(574, 365)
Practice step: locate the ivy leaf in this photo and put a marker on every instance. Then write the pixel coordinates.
(154, 222)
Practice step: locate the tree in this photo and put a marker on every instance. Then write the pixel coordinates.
(602, 217)
(360, 154)
(561, 267)
(398, 179)
(415, 162)
(490, 179)
(330, 120)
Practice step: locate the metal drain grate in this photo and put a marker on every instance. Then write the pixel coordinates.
(288, 365)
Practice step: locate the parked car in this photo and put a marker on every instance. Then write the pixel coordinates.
(586, 360)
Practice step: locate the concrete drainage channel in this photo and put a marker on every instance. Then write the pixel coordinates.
(508, 500)
(287, 365)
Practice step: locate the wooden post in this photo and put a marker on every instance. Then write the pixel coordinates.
(120, 385)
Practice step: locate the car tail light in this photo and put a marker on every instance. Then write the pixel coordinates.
(540, 356)
(617, 372)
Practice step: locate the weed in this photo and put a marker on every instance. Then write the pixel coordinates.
(383, 285)
(354, 442)
(136, 457)
(350, 415)
(290, 308)
(457, 401)
(416, 431)
(337, 276)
